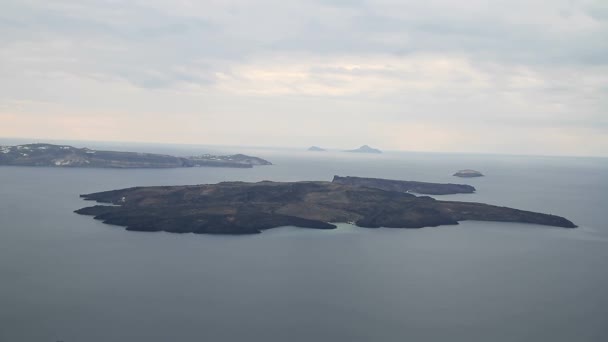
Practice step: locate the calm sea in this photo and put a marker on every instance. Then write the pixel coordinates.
(65, 277)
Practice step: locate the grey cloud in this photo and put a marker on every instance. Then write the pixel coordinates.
(160, 40)
(125, 42)
(128, 22)
(482, 38)
(343, 3)
(158, 46)
(598, 10)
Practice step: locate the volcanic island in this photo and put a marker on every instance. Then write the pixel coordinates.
(251, 208)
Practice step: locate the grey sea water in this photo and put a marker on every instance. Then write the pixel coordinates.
(65, 277)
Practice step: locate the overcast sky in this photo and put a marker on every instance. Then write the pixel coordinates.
(527, 76)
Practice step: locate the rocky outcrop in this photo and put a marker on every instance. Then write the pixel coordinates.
(406, 186)
(468, 173)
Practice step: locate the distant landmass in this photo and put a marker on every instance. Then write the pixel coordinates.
(69, 156)
(468, 173)
(365, 149)
(249, 208)
(316, 149)
(406, 186)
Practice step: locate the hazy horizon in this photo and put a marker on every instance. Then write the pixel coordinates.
(80, 143)
(522, 77)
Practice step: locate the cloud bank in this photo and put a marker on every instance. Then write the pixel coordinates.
(474, 76)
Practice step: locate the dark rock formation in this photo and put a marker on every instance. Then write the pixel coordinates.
(468, 173)
(246, 208)
(364, 149)
(68, 156)
(406, 186)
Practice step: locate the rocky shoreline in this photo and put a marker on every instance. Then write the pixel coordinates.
(68, 156)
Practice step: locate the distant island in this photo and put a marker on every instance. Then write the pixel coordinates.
(364, 149)
(316, 149)
(69, 156)
(250, 208)
(468, 173)
(406, 186)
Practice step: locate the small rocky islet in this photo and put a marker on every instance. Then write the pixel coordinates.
(250, 208)
(365, 149)
(362, 149)
(468, 173)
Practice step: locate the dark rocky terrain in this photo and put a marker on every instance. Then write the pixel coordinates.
(248, 208)
(406, 186)
(365, 149)
(468, 173)
(68, 156)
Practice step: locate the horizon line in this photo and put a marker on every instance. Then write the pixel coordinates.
(303, 148)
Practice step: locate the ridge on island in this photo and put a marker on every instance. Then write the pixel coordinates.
(316, 149)
(249, 208)
(468, 173)
(424, 188)
(365, 149)
(69, 156)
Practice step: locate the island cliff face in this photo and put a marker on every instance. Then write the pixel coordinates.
(406, 186)
(248, 208)
(68, 156)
